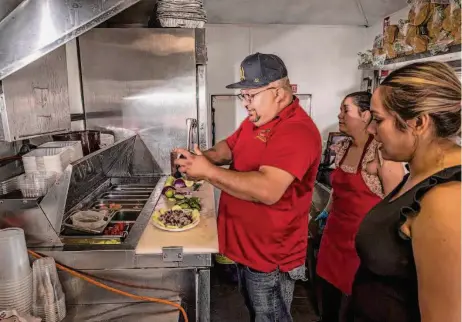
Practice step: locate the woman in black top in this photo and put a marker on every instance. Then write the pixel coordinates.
(409, 244)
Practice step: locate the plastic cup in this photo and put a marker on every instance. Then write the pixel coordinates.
(47, 293)
(14, 265)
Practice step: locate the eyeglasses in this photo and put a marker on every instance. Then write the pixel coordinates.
(249, 97)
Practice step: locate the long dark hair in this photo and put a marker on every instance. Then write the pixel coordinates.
(361, 100)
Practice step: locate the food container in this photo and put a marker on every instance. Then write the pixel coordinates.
(106, 139)
(88, 221)
(90, 140)
(47, 160)
(9, 185)
(48, 296)
(36, 184)
(75, 146)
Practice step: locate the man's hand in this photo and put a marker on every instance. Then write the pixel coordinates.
(194, 165)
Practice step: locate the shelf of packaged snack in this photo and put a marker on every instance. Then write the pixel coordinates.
(453, 54)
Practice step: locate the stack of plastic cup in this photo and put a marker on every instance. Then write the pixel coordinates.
(48, 296)
(15, 272)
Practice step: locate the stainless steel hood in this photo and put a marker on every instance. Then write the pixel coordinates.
(36, 27)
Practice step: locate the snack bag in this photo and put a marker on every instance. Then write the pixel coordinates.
(378, 42)
(437, 16)
(365, 58)
(441, 43)
(401, 48)
(452, 13)
(391, 32)
(419, 12)
(389, 51)
(420, 43)
(403, 27)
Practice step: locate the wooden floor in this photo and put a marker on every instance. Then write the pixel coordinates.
(227, 304)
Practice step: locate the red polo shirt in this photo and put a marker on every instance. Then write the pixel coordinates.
(269, 237)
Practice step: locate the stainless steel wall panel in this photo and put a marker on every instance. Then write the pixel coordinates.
(142, 80)
(36, 99)
(36, 27)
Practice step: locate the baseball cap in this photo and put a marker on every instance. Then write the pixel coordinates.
(258, 70)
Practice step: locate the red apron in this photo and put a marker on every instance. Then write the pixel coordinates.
(351, 201)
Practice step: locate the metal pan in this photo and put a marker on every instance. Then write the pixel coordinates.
(124, 215)
(118, 201)
(128, 193)
(97, 240)
(126, 231)
(72, 230)
(111, 196)
(128, 187)
(124, 206)
(91, 140)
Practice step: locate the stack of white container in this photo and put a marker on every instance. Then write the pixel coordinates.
(42, 166)
(48, 296)
(15, 272)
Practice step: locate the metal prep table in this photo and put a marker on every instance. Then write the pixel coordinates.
(175, 266)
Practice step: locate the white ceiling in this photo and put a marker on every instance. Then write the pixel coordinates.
(316, 12)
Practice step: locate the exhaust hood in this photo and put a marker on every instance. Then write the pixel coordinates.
(36, 27)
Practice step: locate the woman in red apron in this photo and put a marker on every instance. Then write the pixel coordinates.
(359, 182)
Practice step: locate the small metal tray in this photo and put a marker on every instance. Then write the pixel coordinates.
(75, 229)
(125, 215)
(124, 233)
(87, 240)
(119, 201)
(124, 205)
(128, 193)
(111, 196)
(132, 187)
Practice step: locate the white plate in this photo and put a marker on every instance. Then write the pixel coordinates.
(190, 226)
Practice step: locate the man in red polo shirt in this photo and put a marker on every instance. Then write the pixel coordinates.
(266, 193)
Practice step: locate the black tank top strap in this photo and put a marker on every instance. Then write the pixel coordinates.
(412, 210)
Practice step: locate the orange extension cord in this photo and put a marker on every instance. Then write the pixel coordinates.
(114, 290)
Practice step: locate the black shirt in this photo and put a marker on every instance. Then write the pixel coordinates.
(385, 286)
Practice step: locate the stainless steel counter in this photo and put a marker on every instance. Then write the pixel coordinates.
(172, 270)
(175, 272)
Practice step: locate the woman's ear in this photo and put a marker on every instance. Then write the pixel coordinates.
(420, 123)
(366, 116)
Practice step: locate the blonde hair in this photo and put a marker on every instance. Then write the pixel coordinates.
(430, 88)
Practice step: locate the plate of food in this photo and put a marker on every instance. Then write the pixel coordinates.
(176, 219)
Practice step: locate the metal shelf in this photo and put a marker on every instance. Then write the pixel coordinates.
(452, 55)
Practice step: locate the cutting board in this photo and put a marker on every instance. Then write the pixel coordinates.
(199, 240)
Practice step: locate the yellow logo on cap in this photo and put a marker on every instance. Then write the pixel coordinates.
(242, 74)
(257, 80)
